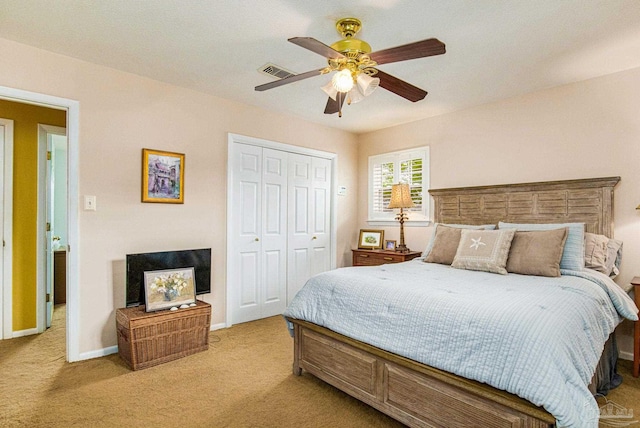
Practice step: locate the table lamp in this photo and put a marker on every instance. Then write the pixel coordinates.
(401, 198)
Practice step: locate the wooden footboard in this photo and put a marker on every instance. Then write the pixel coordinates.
(413, 393)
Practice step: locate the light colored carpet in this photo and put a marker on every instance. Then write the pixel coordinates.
(243, 380)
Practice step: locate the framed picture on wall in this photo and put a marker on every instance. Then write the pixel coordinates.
(370, 239)
(162, 177)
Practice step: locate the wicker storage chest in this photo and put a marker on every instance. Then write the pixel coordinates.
(147, 339)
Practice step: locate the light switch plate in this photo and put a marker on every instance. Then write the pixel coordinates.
(89, 203)
(342, 190)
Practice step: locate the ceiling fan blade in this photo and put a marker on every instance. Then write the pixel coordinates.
(289, 79)
(316, 46)
(400, 87)
(334, 106)
(414, 50)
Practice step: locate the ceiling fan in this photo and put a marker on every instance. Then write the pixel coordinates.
(355, 65)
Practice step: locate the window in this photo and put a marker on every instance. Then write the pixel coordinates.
(407, 166)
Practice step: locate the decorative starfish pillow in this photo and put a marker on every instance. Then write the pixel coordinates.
(484, 250)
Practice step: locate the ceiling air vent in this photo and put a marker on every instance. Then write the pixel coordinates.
(275, 71)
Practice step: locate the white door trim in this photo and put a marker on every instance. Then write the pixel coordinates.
(242, 139)
(72, 108)
(41, 240)
(6, 310)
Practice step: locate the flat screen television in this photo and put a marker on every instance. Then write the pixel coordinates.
(138, 264)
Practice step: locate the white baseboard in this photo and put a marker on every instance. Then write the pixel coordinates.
(218, 326)
(98, 353)
(626, 355)
(114, 349)
(27, 332)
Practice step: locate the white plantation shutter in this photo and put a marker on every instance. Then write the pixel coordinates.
(409, 166)
(382, 181)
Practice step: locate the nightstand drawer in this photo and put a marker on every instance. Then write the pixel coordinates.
(380, 257)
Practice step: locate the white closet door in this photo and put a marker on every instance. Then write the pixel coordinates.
(247, 260)
(309, 220)
(258, 277)
(321, 193)
(274, 232)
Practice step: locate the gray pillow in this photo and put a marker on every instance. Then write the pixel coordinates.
(537, 252)
(595, 252)
(602, 254)
(614, 257)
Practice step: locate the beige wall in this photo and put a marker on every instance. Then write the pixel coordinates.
(122, 113)
(582, 130)
(587, 129)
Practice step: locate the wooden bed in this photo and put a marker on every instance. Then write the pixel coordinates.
(422, 396)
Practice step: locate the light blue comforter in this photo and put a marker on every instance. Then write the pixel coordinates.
(539, 338)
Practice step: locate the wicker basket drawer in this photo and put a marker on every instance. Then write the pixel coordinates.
(148, 339)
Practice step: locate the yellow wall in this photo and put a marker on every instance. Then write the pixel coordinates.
(25, 197)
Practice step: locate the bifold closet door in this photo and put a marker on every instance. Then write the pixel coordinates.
(309, 216)
(259, 268)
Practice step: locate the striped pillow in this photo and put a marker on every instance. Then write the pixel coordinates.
(573, 254)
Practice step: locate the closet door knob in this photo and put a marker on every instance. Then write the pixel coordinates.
(315, 237)
(257, 239)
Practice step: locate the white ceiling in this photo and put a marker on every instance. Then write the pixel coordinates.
(496, 49)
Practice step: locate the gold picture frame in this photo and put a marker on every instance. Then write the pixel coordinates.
(162, 176)
(370, 239)
(390, 244)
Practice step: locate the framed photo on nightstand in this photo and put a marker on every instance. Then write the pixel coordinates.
(370, 239)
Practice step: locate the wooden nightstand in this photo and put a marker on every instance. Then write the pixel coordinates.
(636, 328)
(380, 257)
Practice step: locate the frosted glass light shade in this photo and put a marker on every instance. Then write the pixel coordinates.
(354, 96)
(342, 81)
(330, 90)
(401, 196)
(367, 84)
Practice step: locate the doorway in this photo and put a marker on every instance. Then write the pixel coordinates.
(52, 221)
(6, 205)
(72, 109)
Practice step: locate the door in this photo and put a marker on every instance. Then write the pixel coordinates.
(309, 251)
(49, 230)
(47, 158)
(6, 209)
(257, 277)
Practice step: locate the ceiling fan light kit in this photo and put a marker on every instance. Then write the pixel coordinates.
(343, 80)
(355, 67)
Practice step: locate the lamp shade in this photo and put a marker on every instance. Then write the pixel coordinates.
(401, 196)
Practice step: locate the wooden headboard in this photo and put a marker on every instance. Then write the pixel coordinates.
(588, 201)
